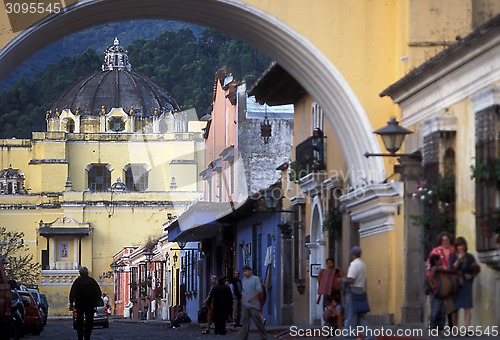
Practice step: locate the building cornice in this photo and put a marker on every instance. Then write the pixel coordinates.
(369, 194)
(485, 99)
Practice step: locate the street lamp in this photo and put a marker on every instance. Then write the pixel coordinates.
(271, 200)
(182, 244)
(393, 136)
(149, 255)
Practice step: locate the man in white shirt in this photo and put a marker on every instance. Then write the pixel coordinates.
(356, 282)
(251, 289)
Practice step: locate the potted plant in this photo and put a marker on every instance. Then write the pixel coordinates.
(486, 173)
(481, 173)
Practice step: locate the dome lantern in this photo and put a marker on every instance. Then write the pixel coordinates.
(116, 58)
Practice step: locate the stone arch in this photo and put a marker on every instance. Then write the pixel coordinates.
(264, 31)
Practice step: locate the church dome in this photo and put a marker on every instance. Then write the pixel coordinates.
(116, 86)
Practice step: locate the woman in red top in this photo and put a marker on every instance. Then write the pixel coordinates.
(444, 249)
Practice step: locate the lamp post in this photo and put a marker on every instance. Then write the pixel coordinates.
(149, 280)
(116, 284)
(410, 169)
(149, 256)
(393, 136)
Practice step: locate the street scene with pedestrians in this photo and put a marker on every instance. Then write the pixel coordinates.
(250, 169)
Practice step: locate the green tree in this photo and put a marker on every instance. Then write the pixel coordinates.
(181, 62)
(20, 266)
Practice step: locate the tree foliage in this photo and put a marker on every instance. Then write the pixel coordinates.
(181, 62)
(20, 266)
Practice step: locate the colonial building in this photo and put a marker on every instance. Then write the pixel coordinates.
(316, 179)
(118, 158)
(245, 144)
(452, 102)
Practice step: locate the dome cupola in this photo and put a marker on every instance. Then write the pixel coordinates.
(101, 94)
(116, 58)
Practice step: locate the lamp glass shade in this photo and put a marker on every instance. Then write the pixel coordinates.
(393, 135)
(149, 255)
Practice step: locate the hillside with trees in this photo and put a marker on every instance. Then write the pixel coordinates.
(182, 62)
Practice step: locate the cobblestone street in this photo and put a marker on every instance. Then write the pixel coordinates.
(124, 329)
(119, 329)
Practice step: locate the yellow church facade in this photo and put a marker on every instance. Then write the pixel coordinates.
(100, 179)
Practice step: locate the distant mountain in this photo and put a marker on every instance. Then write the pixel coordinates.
(183, 62)
(97, 38)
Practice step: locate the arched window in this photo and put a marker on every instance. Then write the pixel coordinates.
(12, 181)
(99, 177)
(116, 124)
(70, 126)
(136, 177)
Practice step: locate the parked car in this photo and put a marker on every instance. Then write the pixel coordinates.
(45, 307)
(101, 315)
(33, 318)
(18, 314)
(6, 325)
(38, 298)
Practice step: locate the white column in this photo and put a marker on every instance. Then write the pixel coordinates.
(52, 259)
(76, 251)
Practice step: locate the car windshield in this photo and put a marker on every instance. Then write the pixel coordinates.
(100, 303)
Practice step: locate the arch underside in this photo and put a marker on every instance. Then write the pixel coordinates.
(256, 27)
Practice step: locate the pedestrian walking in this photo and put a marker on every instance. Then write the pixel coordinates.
(236, 291)
(221, 300)
(329, 283)
(84, 296)
(355, 287)
(251, 290)
(210, 313)
(129, 307)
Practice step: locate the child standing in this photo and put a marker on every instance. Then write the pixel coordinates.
(437, 316)
(333, 315)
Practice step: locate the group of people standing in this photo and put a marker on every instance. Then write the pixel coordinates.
(336, 287)
(449, 278)
(243, 299)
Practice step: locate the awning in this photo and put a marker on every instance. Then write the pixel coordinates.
(50, 232)
(204, 220)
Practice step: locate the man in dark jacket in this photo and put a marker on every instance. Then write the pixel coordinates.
(236, 290)
(84, 295)
(223, 305)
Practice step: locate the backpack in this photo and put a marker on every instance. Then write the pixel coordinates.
(446, 283)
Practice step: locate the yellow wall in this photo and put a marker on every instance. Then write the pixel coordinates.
(118, 219)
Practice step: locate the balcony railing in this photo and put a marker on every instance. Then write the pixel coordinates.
(310, 156)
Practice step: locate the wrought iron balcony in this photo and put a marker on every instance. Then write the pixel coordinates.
(309, 157)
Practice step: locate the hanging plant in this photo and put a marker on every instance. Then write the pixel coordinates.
(440, 196)
(333, 222)
(294, 172)
(481, 173)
